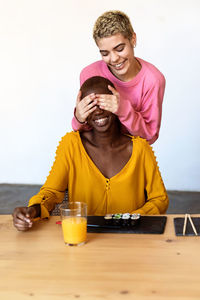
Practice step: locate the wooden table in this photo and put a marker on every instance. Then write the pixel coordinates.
(37, 265)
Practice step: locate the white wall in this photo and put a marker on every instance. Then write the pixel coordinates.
(43, 46)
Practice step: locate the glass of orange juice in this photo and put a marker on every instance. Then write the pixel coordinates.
(74, 223)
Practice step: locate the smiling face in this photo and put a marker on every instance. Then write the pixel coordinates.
(103, 120)
(117, 52)
(100, 119)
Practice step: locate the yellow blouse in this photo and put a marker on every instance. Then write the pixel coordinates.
(137, 188)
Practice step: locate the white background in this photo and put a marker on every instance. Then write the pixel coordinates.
(43, 46)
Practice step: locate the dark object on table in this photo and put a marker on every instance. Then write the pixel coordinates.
(179, 224)
(146, 225)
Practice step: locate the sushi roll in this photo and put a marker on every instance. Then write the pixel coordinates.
(108, 219)
(126, 219)
(117, 219)
(126, 216)
(135, 218)
(117, 216)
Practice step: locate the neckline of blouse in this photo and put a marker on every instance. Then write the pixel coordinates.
(96, 168)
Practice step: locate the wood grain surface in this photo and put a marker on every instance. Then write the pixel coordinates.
(37, 265)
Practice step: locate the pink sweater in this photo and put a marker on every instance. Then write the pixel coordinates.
(140, 107)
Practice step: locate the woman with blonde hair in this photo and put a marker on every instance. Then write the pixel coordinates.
(137, 99)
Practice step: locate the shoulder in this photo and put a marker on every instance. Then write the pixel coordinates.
(70, 139)
(141, 144)
(139, 141)
(94, 65)
(94, 69)
(151, 73)
(144, 151)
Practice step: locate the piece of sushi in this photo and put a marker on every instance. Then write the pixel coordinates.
(125, 220)
(126, 216)
(117, 216)
(135, 218)
(116, 219)
(108, 217)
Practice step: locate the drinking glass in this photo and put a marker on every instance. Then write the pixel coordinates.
(74, 223)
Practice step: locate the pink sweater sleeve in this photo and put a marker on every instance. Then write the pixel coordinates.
(146, 122)
(76, 125)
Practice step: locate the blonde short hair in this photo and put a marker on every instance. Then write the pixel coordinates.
(112, 22)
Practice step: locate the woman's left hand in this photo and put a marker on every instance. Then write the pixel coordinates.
(109, 102)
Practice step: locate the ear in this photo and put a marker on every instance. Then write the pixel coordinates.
(133, 40)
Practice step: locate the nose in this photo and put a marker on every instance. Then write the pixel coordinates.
(114, 57)
(98, 110)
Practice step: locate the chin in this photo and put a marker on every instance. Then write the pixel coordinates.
(101, 128)
(120, 73)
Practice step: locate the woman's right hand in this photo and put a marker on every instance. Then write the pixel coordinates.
(85, 106)
(23, 217)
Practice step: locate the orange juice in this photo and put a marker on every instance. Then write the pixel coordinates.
(74, 230)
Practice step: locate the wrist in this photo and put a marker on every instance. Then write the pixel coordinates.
(81, 122)
(37, 210)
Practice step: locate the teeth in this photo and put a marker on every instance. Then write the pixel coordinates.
(101, 122)
(119, 65)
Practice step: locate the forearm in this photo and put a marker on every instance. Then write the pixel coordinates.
(53, 191)
(37, 208)
(46, 199)
(145, 125)
(155, 206)
(143, 117)
(156, 196)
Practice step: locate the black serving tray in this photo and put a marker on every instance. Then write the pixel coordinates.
(146, 225)
(179, 223)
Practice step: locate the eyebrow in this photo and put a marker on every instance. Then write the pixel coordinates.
(121, 44)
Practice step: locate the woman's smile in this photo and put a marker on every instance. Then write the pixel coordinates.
(101, 121)
(118, 66)
(117, 52)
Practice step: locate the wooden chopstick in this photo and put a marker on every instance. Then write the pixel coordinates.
(192, 224)
(185, 223)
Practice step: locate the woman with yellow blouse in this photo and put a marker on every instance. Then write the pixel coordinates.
(110, 171)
